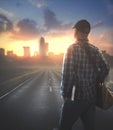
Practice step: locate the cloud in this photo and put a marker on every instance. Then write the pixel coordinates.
(6, 12)
(5, 24)
(109, 4)
(38, 3)
(19, 4)
(26, 29)
(109, 35)
(98, 24)
(103, 40)
(52, 22)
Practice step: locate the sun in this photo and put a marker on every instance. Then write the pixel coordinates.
(58, 45)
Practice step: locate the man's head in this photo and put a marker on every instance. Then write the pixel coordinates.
(82, 29)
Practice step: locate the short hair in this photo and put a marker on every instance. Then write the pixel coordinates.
(83, 26)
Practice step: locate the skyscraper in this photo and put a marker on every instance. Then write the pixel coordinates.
(26, 51)
(43, 47)
(2, 52)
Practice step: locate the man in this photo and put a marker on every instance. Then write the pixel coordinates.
(78, 71)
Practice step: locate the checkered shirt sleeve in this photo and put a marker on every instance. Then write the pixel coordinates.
(67, 73)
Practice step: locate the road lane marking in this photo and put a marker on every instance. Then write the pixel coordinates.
(50, 89)
(1, 97)
(73, 93)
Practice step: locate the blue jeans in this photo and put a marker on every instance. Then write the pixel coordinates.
(72, 110)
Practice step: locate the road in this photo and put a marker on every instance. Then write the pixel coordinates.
(35, 104)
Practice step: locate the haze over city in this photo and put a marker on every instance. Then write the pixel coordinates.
(23, 22)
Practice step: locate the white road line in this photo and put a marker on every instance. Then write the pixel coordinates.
(14, 89)
(50, 89)
(73, 94)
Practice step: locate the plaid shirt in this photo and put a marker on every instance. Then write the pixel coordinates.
(79, 72)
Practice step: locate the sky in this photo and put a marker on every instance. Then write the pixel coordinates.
(23, 22)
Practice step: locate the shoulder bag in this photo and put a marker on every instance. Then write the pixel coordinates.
(104, 98)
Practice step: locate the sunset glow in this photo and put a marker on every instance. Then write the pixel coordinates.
(57, 44)
(20, 28)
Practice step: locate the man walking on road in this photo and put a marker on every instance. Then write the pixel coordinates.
(78, 71)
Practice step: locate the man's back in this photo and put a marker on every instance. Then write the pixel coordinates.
(84, 74)
(81, 70)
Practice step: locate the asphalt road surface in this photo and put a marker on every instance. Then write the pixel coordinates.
(35, 104)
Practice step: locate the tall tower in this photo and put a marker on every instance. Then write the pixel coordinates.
(43, 47)
(26, 51)
(2, 52)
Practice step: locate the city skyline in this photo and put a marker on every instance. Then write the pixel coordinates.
(23, 22)
(41, 50)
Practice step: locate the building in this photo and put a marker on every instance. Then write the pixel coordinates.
(26, 51)
(46, 48)
(10, 53)
(43, 47)
(2, 52)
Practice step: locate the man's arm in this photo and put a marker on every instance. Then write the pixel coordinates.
(67, 74)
